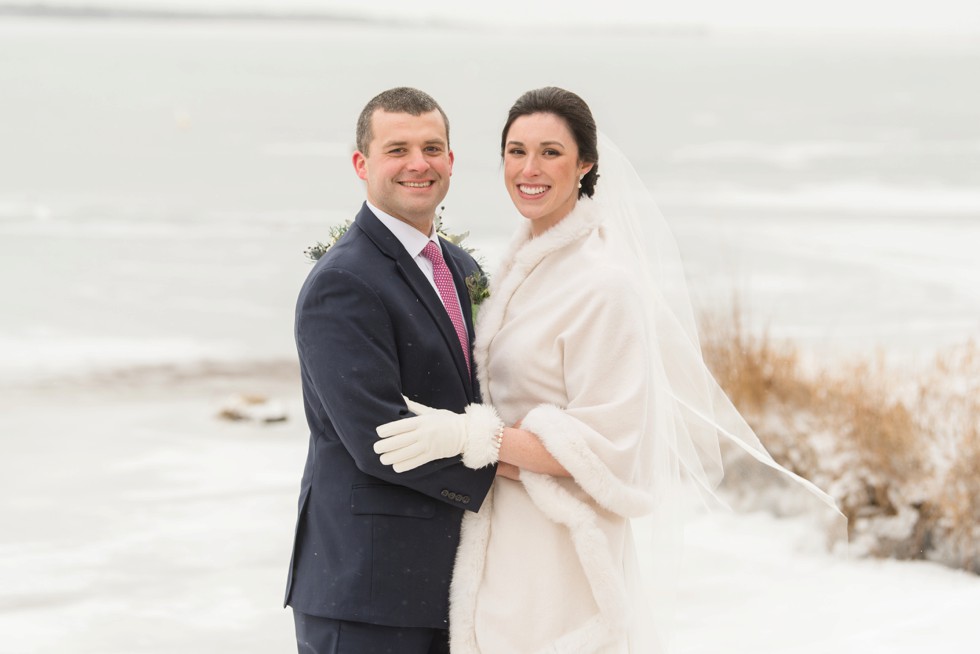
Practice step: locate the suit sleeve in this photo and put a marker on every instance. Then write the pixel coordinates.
(346, 341)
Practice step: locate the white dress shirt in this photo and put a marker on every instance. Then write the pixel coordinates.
(414, 242)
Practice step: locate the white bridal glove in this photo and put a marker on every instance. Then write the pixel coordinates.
(439, 434)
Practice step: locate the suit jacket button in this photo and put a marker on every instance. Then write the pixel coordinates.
(466, 499)
(445, 493)
(452, 496)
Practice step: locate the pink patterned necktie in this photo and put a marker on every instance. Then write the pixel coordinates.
(447, 291)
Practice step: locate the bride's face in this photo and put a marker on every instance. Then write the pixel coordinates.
(542, 169)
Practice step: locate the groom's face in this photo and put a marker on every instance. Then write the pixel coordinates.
(407, 166)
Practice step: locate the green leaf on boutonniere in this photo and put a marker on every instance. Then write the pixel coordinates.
(478, 285)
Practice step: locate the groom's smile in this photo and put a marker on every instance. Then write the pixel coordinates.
(417, 184)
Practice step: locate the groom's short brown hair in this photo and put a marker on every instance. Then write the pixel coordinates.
(399, 100)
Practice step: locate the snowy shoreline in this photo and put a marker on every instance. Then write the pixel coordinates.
(137, 521)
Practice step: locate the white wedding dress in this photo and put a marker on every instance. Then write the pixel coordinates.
(561, 345)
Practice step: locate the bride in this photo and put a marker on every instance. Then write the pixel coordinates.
(587, 345)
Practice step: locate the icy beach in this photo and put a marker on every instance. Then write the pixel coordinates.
(138, 522)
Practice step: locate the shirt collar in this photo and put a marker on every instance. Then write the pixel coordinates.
(411, 239)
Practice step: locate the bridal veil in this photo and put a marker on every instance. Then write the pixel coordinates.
(696, 432)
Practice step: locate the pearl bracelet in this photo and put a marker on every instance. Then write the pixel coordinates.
(499, 438)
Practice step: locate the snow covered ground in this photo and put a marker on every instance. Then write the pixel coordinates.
(135, 521)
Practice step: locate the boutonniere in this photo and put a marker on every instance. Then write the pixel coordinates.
(477, 284)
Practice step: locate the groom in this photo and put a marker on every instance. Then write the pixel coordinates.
(383, 314)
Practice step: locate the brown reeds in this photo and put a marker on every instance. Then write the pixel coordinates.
(899, 452)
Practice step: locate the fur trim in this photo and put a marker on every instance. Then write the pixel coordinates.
(483, 428)
(592, 546)
(522, 256)
(471, 555)
(562, 435)
(604, 577)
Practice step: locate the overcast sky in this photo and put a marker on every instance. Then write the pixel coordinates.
(956, 16)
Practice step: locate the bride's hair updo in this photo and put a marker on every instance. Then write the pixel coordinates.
(576, 114)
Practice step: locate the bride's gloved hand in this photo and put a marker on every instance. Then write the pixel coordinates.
(438, 434)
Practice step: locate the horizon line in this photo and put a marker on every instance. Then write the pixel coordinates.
(110, 12)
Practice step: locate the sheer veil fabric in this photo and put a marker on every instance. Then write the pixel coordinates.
(691, 421)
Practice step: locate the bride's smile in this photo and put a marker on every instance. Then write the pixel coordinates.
(531, 191)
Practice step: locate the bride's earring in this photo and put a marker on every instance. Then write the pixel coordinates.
(581, 177)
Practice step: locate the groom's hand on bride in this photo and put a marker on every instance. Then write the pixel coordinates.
(439, 434)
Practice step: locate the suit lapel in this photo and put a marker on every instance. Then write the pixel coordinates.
(428, 297)
(433, 304)
(459, 279)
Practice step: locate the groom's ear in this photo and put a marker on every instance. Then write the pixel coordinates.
(360, 164)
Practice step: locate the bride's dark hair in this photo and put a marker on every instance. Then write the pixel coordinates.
(576, 114)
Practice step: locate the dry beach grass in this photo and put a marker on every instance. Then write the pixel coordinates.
(898, 449)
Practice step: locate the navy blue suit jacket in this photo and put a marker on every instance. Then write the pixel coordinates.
(373, 545)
